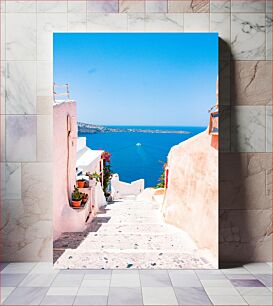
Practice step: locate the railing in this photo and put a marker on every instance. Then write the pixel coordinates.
(56, 93)
(214, 121)
(120, 189)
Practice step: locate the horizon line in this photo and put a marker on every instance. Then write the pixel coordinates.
(143, 125)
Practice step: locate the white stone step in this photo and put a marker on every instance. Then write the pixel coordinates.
(77, 259)
(129, 228)
(138, 209)
(134, 242)
(131, 234)
(125, 207)
(133, 220)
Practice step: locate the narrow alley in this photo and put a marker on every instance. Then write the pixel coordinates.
(129, 234)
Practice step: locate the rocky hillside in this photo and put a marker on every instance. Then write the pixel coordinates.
(92, 129)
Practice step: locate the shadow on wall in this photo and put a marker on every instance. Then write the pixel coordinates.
(229, 231)
(237, 240)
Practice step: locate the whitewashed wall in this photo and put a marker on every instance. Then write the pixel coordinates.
(245, 27)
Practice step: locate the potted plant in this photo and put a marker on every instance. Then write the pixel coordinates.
(80, 183)
(84, 198)
(76, 197)
(94, 176)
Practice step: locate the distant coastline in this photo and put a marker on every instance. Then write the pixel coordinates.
(133, 161)
(94, 129)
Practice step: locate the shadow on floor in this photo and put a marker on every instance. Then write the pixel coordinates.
(71, 240)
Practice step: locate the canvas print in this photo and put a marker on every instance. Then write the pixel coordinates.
(135, 172)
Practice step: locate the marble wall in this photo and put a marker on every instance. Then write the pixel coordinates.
(245, 30)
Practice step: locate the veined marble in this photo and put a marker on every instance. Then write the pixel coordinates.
(244, 181)
(2, 88)
(46, 25)
(59, 6)
(23, 240)
(12, 228)
(20, 36)
(269, 6)
(37, 190)
(131, 6)
(160, 22)
(78, 6)
(198, 22)
(102, 6)
(21, 6)
(220, 23)
(252, 83)
(3, 138)
(224, 82)
(156, 6)
(136, 22)
(251, 40)
(248, 129)
(248, 6)
(12, 181)
(44, 105)
(20, 138)
(220, 6)
(44, 143)
(106, 22)
(248, 36)
(77, 22)
(224, 127)
(44, 78)
(268, 23)
(3, 36)
(20, 88)
(238, 228)
(188, 6)
(268, 128)
(38, 230)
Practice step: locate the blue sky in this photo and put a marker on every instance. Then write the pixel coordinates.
(139, 78)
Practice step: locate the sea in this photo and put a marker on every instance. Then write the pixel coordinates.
(139, 155)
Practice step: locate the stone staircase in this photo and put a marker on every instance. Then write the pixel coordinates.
(130, 234)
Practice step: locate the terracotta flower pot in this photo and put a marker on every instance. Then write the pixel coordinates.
(76, 203)
(80, 184)
(84, 200)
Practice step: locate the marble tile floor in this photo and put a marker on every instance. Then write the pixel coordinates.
(42, 284)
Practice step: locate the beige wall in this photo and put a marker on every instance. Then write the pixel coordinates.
(245, 29)
(191, 201)
(64, 164)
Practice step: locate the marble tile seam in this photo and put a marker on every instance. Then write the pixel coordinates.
(125, 12)
(245, 210)
(27, 162)
(145, 13)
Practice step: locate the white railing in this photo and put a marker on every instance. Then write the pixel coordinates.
(120, 189)
(214, 120)
(58, 93)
